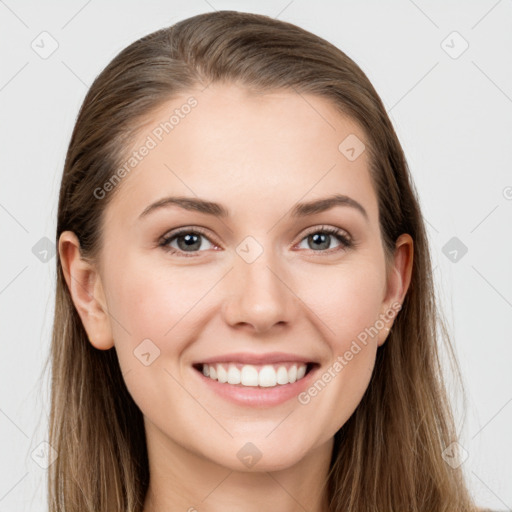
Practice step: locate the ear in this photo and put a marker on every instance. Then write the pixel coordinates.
(398, 281)
(86, 291)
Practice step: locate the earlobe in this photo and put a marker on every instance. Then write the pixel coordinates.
(86, 290)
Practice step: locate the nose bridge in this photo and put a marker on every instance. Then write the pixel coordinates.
(257, 292)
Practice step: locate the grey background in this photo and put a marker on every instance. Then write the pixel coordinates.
(453, 114)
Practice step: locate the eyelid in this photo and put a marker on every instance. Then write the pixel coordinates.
(347, 243)
(203, 231)
(326, 227)
(188, 229)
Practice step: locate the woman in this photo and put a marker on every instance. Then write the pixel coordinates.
(245, 314)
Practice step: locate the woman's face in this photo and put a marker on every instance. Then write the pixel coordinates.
(261, 280)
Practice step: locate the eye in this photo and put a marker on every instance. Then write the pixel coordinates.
(189, 241)
(321, 239)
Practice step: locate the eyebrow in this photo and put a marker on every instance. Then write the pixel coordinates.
(217, 210)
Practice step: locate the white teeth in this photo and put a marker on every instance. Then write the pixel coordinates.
(282, 375)
(248, 375)
(267, 377)
(233, 374)
(222, 374)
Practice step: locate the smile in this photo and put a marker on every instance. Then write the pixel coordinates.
(249, 375)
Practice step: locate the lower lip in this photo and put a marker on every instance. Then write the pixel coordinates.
(256, 396)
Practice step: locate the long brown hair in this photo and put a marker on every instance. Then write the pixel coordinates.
(388, 455)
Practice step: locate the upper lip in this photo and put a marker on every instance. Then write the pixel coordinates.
(252, 358)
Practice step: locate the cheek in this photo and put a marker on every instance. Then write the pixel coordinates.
(151, 310)
(147, 301)
(347, 303)
(347, 300)
(151, 296)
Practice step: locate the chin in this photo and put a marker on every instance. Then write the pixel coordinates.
(259, 456)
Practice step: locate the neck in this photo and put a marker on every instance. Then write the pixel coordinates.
(185, 481)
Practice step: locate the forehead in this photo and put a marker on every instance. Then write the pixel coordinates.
(246, 150)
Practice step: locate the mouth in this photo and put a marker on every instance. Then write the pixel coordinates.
(256, 375)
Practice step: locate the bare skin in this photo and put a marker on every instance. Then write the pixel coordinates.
(257, 155)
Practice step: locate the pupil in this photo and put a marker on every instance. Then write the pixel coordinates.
(317, 237)
(189, 240)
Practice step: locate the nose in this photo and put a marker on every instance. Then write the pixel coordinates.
(258, 295)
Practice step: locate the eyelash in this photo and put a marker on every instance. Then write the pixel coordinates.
(346, 242)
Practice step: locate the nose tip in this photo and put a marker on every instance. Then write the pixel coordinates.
(257, 297)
